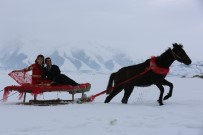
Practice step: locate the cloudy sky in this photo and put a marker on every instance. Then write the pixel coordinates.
(140, 28)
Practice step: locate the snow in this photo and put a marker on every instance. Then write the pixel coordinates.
(181, 115)
(137, 28)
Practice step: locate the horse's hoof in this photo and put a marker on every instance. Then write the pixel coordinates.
(124, 101)
(167, 97)
(106, 101)
(161, 104)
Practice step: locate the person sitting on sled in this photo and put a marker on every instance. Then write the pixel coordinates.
(53, 73)
(37, 71)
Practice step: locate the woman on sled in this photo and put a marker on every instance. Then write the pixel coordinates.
(37, 71)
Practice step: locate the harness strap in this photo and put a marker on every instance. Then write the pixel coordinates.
(156, 69)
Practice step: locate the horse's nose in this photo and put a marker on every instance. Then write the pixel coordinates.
(188, 62)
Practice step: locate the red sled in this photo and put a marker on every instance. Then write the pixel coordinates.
(25, 86)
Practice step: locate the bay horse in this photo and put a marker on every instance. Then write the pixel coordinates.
(152, 71)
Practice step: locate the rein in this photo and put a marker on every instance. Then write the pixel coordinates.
(153, 67)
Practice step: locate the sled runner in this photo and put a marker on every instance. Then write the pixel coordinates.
(24, 79)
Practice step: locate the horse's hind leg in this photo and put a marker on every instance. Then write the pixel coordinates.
(114, 92)
(127, 92)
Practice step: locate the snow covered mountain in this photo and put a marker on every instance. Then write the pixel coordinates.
(92, 59)
(97, 59)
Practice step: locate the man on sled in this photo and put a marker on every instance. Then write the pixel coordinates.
(53, 73)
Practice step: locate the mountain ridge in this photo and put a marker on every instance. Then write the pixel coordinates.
(102, 60)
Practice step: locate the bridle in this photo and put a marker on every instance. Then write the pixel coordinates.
(176, 56)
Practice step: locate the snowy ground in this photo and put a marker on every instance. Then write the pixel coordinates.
(181, 115)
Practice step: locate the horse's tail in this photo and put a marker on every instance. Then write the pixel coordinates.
(110, 83)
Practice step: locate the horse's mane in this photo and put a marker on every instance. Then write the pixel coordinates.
(164, 57)
(165, 54)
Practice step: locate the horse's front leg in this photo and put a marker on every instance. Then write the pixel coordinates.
(167, 83)
(161, 88)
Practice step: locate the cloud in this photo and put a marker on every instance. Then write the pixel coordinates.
(132, 26)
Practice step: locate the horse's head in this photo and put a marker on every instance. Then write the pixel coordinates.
(180, 55)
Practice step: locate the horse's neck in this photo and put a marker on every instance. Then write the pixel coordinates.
(165, 60)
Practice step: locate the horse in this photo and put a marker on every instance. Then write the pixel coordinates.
(151, 72)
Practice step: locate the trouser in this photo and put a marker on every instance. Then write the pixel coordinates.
(65, 80)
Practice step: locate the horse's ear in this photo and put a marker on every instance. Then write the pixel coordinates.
(175, 45)
(181, 45)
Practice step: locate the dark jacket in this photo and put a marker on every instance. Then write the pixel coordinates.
(54, 74)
